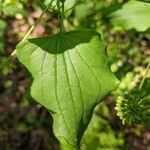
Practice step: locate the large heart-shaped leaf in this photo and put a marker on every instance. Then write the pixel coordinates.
(71, 75)
(133, 14)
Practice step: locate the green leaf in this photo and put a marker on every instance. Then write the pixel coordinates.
(71, 76)
(133, 14)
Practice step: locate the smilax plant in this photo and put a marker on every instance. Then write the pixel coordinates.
(71, 72)
(71, 75)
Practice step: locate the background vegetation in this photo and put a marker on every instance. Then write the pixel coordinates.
(26, 125)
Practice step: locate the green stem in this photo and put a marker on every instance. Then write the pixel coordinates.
(142, 82)
(60, 5)
(25, 37)
(33, 26)
(28, 33)
(62, 17)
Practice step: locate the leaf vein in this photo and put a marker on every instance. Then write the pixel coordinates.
(71, 93)
(56, 85)
(73, 67)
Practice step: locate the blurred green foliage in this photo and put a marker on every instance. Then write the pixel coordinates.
(134, 14)
(100, 135)
(12, 7)
(3, 27)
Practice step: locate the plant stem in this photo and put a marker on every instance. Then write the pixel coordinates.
(60, 5)
(33, 26)
(142, 82)
(62, 17)
(25, 37)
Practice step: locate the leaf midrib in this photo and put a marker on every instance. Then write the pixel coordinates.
(56, 92)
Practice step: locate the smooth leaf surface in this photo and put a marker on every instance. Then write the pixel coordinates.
(71, 75)
(133, 14)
